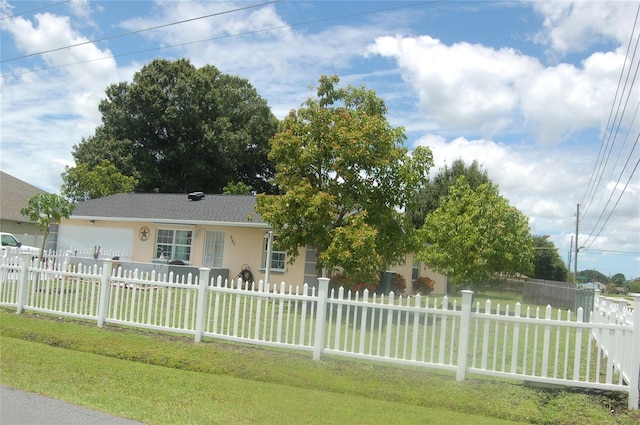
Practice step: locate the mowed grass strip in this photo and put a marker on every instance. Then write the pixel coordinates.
(160, 395)
(163, 379)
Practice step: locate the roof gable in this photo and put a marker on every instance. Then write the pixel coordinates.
(14, 195)
(175, 208)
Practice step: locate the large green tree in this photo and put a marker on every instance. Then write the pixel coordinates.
(547, 261)
(592, 276)
(178, 128)
(344, 176)
(475, 235)
(633, 286)
(81, 182)
(619, 279)
(46, 209)
(428, 198)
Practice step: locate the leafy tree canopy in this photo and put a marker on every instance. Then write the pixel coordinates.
(344, 175)
(619, 279)
(428, 199)
(238, 188)
(634, 286)
(547, 262)
(81, 183)
(45, 209)
(475, 234)
(177, 128)
(592, 276)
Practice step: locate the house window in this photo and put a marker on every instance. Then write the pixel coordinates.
(213, 249)
(173, 245)
(277, 257)
(415, 269)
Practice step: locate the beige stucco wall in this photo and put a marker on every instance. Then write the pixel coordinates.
(242, 245)
(405, 269)
(27, 233)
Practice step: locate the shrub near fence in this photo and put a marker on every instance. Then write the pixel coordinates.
(534, 345)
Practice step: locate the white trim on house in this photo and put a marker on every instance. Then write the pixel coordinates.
(173, 221)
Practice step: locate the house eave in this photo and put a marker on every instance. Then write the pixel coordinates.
(174, 222)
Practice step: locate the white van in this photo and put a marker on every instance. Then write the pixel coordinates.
(11, 246)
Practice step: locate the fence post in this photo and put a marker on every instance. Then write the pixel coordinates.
(596, 300)
(634, 373)
(463, 338)
(103, 298)
(321, 313)
(23, 282)
(203, 283)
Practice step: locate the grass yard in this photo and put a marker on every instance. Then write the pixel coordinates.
(160, 378)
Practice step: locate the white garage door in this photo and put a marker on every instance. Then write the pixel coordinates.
(83, 240)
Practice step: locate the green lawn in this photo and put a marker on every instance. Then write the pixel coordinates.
(159, 378)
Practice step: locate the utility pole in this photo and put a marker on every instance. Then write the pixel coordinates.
(570, 254)
(267, 267)
(575, 263)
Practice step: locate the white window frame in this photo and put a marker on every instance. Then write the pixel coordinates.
(278, 258)
(415, 269)
(166, 237)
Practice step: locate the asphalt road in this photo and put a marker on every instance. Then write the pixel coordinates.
(23, 408)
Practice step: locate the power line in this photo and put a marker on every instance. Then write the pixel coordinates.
(616, 204)
(607, 143)
(591, 238)
(619, 123)
(111, 37)
(622, 101)
(609, 251)
(621, 173)
(35, 10)
(222, 37)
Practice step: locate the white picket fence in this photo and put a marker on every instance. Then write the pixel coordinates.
(537, 345)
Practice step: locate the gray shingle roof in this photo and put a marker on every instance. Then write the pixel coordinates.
(176, 208)
(14, 195)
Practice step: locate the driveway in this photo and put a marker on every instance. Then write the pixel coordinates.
(22, 408)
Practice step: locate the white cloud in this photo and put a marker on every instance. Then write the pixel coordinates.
(53, 109)
(564, 99)
(463, 86)
(571, 26)
(281, 63)
(6, 9)
(477, 89)
(83, 84)
(81, 8)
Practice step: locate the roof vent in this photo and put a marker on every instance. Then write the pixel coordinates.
(195, 196)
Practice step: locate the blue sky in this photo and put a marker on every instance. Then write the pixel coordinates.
(525, 88)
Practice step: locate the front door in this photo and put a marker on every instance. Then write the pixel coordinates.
(213, 249)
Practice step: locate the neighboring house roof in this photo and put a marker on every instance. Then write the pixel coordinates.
(236, 210)
(593, 285)
(14, 195)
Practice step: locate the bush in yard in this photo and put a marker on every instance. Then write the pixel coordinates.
(338, 280)
(400, 283)
(423, 285)
(350, 284)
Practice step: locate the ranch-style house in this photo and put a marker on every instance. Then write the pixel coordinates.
(222, 232)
